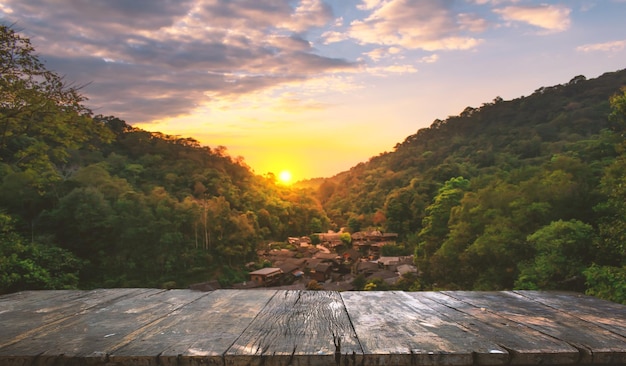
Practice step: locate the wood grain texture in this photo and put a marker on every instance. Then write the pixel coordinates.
(199, 333)
(594, 344)
(396, 328)
(297, 328)
(587, 308)
(524, 345)
(115, 327)
(110, 322)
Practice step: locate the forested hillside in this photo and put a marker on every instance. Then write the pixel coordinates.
(90, 201)
(526, 193)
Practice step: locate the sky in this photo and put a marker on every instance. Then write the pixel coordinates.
(313, 87)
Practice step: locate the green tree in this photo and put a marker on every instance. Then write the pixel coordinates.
(33, 266)
(563, 250)
(606, 278)
(435, 224)
(41, 117)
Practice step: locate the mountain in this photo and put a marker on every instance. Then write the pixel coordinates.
(472, 193)
(528, 193)
(89, 201)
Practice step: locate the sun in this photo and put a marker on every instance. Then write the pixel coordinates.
(285, 177)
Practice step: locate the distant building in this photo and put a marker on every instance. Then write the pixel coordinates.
(266, 276)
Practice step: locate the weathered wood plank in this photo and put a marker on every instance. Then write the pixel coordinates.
(297, 328)
(526, 346)
(28, 313)
(396, 328)
(199, 333)
(606, 314)
(595, 344)
(90, 335)
(231, 328)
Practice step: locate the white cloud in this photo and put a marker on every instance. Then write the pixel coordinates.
(429, 59)
(380, 53)
(553, 18)
(472, 22)
(333, 37)
(309, 13)
(369, 4)
(416, 24)
(391, 69)
(613, 46)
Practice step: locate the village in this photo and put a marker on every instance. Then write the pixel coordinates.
(332, 264)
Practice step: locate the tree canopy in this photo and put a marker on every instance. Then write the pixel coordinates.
(524, 193)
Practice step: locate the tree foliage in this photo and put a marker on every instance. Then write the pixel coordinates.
(525, 193)
(541, 204)
(138, 208)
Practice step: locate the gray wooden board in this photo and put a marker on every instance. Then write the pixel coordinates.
(198, 333)
(606, 314)
(297, 328)
(90, 335)
(596, 344)
(232, 328)
(526, 346)
(395, 328)
(28, 313)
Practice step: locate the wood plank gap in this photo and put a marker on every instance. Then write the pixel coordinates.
(353, 330)
(131, 336)
(615, 324)
(593, 343)
(61, 319)
(246, 328)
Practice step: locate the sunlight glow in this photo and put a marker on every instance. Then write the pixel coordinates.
(284, 177)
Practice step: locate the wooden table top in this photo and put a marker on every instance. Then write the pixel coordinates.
(278, 327)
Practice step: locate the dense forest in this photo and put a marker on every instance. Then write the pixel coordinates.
(528, 193)
(89, 201)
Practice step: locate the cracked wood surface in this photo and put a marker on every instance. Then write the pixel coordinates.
(289, 327)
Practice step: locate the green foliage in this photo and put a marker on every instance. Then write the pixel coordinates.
(527, 193)
(395, 250)
(606, 282)
(563, 251)
(359, 282)
(376, 284)
(314, 286)
(550, 157)
(345, 238)
(143, 208)
(33, 266)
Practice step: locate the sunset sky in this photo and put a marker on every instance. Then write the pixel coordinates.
(313, 87)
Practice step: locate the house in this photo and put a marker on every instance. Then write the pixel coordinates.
(405, 269)
(266, 276)
(321, 272)
(389, 263)
(330, 239)
(366, 268)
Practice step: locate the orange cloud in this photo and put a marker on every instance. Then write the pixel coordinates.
(553, 18)
(613, 46)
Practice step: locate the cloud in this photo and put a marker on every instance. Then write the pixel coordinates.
(309, 13)
(613, 46)
(429, 59)
(553, 18)
(380, 53)
(416, 24)
(391, 69)
(152, 59)
(334, 37)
